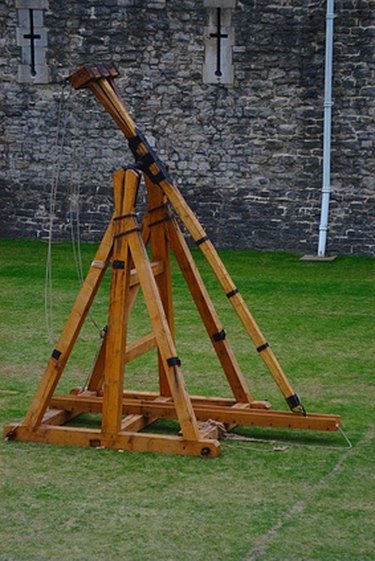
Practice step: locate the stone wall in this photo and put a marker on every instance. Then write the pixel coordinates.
(246, 156)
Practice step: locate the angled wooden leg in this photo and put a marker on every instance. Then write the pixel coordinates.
(95, 382)
(182, 403)
(70, 333)
(157, 214)
(208, 314)
(125, 191)
(205, 245)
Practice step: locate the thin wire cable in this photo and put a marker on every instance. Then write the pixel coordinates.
(282, 445)
(345, 436)
(62, 120)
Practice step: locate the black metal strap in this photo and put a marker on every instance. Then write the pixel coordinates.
(263, 347)
(118, 264)
(135, 141)
(145, 161)
(122, 234)
(160, 207)
(165, 219)
(202, 240)
(156, 177)
(128, 215)
(11, 435)
(56, 354)
(173, 361)
(232, 293)
(293, 401)
(220, 336)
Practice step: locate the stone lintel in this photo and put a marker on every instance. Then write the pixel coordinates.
(219, 3)
(32, 4)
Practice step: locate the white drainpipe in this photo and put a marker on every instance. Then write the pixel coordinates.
(326, 186)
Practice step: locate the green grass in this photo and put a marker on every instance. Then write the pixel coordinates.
(312, 500)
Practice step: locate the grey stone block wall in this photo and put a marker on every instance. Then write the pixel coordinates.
(247, 157)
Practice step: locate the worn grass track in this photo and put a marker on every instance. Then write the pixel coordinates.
(312, 500)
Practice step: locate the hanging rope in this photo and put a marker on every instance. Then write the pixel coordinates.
(74, 211)
(62, 120)
(63, 116)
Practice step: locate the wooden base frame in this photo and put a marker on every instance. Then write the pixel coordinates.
(124, 414)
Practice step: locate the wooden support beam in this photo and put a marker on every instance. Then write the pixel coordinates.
(235, 414)
(134, 423)
(157, 268)
(57, 417)
(69, 334)
(164, 338)
(124, 440)
(193, 226)
(126, 185)
(151, 396)
(140, 347)
(158, 215)
(96, 379)
(208, 313)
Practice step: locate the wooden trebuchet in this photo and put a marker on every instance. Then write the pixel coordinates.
(123, 413)
(103, 88)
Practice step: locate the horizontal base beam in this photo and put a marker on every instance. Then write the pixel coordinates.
(204, 410)
(143, 408)
(124, 440)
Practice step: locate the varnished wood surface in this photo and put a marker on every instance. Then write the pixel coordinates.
(234, 414)
(124, 440)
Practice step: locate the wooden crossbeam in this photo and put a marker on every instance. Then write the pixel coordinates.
(203, 410)
(151, 396)
(140, 347)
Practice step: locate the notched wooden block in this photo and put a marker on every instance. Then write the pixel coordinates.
(93, 71)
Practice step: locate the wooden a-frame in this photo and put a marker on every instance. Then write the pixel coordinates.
(123, 413)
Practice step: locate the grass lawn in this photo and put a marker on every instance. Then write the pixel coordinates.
(311, 498)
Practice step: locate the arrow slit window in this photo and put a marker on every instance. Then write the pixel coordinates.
(219, 41)
(32, 38)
